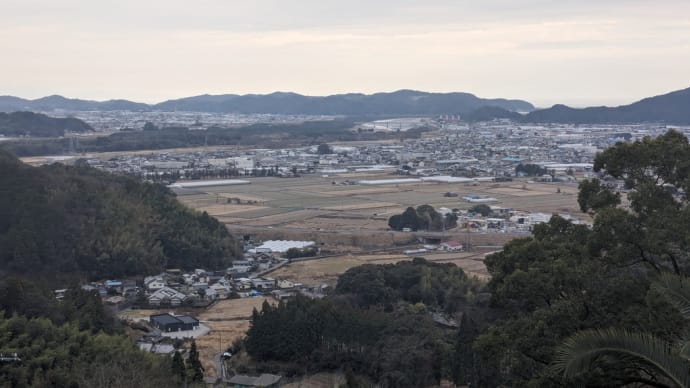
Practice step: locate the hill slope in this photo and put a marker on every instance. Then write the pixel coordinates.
(672, 108)
(402, 102)
(80, 220)
(36, 124)
(11, 104)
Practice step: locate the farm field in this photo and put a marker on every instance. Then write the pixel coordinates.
(332, 204)
(228, 320)
(326, 271)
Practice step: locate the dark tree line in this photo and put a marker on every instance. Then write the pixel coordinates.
(294, 253)
(265, 135)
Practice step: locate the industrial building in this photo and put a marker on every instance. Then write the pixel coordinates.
(168, 323)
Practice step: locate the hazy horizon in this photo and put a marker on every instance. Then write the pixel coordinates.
(606, 52)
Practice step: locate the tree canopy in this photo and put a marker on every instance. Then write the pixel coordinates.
(424, 217)
(377, 324)
(80, 220)
(568, 278)
(72, 342)
(37, 124)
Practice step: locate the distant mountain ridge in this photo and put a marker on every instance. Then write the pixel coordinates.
(402, 102)
(54, 102)
(670, 108)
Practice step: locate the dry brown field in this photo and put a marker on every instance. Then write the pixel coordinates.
(326, 203)
(326, 271)
(227, 319)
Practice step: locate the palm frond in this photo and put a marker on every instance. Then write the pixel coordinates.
(581, 351)
(676, 289)
(684, 351)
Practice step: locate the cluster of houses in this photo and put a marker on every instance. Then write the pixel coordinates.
(165, 290)
(175, 287)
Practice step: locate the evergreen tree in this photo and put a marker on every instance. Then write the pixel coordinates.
(178, 368)
(194, 369)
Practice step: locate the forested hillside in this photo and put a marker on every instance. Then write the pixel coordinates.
(78, 220)
(40, 125)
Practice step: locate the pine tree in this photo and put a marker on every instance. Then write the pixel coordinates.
(178, 368)
(195, 370)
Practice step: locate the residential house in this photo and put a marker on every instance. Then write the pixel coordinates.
(451, 246)
(129, 287)
(113, 285)
(166, 295)
(243, 284)
(263, 283)
(241, 266)
(222, 291)
(209, 293)
(282, 295)
(153, 283)
(284, 283)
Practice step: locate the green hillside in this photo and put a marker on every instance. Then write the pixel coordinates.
(36, 124)
(78, 220)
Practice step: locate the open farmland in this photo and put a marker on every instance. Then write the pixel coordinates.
(326, 271)
(331, 208)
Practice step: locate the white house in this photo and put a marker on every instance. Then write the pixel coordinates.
(283, 283)
(221, 290)
(167, 294)
(263, 283)
(153, 283)
(451, 246)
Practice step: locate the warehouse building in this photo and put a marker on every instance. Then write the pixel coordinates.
(168, 323)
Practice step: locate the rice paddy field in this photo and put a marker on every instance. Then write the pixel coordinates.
(332, 203)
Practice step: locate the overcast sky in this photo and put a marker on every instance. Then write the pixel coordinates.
(546, 51)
